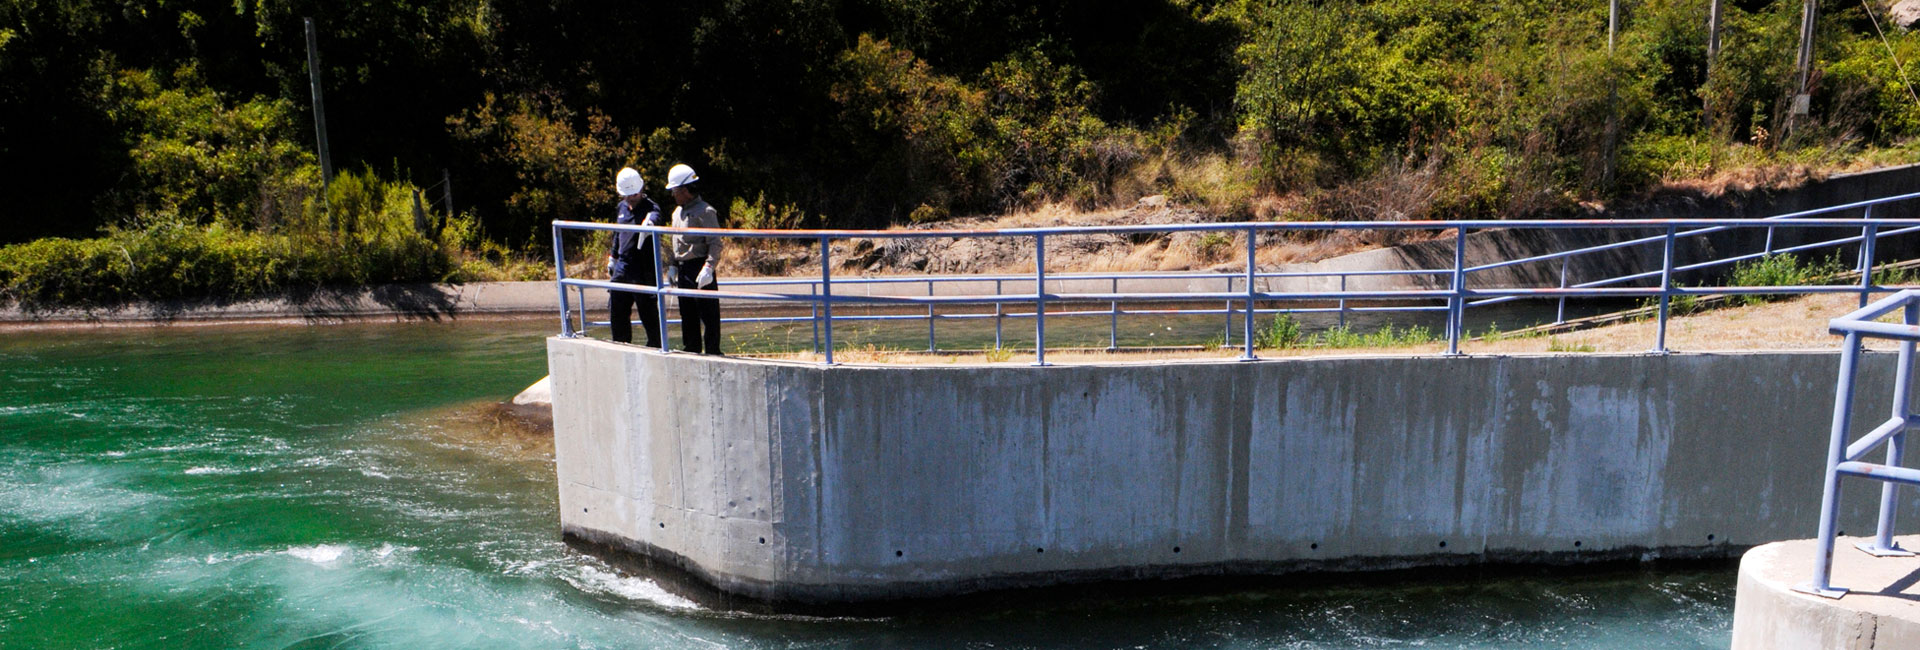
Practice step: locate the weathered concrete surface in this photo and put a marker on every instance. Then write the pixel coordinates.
(1881, 610)
(799, 483)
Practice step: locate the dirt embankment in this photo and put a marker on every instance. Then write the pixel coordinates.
(1185, 251)
(1178, 251)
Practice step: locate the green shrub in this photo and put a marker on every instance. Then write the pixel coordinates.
(1281, 332)
(1783, 271)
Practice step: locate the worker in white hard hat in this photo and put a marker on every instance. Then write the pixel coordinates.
(695, 258)
(632, 260)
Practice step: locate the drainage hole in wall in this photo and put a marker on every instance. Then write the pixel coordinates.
(1314, 546)
(1176, 549)
(1709, 537)
(1576, 543)
(898, 553)
(663, 524)
(763, 540)
(1443, 543)
(1039, 550)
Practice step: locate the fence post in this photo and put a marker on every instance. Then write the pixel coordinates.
(1457, 307)
(930, 345)
(1560, 315)
(1247, 319)
(814, 291)
(998, 311)
(1830, 491)
(1866, 256)
(1113, 320)
(559, 282)
(1666, 291)
(660, 299)
(1883, 544)
(826, 295)
(1039, 300)
(1343, 301)
(580, 308)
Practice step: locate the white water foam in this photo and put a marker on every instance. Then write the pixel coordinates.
(318, 553)
(631, 588)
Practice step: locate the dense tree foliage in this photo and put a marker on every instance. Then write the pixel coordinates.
(128, 113)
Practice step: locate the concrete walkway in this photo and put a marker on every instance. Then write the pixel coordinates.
(1880, 611)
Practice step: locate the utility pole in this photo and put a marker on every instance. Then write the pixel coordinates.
(1713, 33)
(446, 189)
(319, 107)
(1613, 22)
(1802, 102)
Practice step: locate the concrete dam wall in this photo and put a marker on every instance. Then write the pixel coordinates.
(803, 484)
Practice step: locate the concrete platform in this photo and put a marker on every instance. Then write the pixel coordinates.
(1880, 611)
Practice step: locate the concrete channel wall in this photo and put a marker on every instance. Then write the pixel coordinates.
(801, 484)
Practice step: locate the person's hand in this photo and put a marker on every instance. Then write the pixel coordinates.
(609, 266)
(673, 275)
(706, 276)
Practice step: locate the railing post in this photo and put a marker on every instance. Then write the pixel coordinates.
(1039, 300)
(826, 296)
(1246, 321)
(998, 312)
(1560, 315)
(930, 345)
(1666, 292)
(1226, 329)
(1866, 256)
(1113, 320)
(1830, 491)
(660, 299)
(1457, 307)
(1883, 544)
(580, 307)
(559, 282)
(1343, 301)
(814, 291)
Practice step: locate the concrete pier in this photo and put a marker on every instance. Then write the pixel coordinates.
(1881, 610)
(800, 484)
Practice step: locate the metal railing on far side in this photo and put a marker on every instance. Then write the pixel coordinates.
(1846, 459)
(1450, 291)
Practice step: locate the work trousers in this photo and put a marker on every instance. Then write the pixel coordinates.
(699, 317)
(620, 305)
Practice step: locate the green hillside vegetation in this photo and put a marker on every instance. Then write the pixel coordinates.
(165, 149)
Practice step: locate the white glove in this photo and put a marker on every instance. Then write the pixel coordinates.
(673, 275)
(609, 266)
(706, 276)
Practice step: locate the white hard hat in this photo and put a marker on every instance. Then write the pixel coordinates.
(628, 182)
(680, 175)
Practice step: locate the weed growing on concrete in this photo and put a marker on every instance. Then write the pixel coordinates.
(1556, 345)
(996, 354)
(1281, 332)
(1783, 271)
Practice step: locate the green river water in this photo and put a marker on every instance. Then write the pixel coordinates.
(346, 487)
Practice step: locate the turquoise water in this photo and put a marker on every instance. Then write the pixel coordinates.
(348, 487)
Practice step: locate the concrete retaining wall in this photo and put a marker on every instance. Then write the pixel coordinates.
(796, 483)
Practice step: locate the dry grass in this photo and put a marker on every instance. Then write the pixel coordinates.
(1799, 324)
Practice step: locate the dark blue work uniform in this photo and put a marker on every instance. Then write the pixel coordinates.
(633, 264)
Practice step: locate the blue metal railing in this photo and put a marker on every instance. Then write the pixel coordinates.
(1447, 289)
(1844, 459)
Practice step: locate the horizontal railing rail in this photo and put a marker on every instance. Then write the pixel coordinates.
(1452, 290)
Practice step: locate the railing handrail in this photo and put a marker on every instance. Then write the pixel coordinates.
(1234, 226)
(1242, 287)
